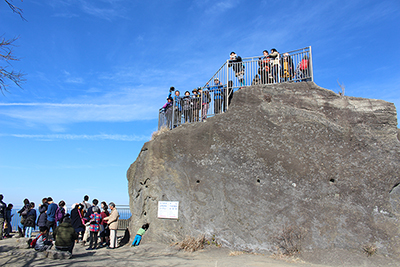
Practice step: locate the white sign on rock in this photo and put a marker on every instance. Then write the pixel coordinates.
(168, 209)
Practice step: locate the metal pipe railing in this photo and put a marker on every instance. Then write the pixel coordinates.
(293, 66)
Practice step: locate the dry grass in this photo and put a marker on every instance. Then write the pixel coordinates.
(288, 241)
(279, 255)
(192, 244)
(159, 132)
(370, 249)
(236, 253)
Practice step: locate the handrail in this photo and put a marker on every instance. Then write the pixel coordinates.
(292, 66)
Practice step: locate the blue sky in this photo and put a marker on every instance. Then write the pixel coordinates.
(98, 70)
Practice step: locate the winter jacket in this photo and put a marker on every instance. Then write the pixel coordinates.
(65, 235)
(274, 58)
(76, 220)
(51, 212)
(42, 219)
(3, 208)
(236, 64)
(30, 219)
(112, 220)
(8, 216)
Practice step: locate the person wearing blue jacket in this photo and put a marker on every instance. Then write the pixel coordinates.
(219, 96)
(177, 107)
(51, 214)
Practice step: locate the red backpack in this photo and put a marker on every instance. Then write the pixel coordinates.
(303, 64)
(32, 244)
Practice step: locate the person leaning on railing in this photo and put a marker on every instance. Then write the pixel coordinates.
(235, 62)
(274, 56)
(264, 67)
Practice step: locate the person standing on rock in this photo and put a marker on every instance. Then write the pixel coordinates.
(51, 214)
(8, 220)
(85, 204)
(42, 219)
(3, 208)
(235, 62)
(23, 212)
(30, 222)
(112, 222)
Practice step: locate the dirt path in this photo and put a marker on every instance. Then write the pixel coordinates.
(145, 255)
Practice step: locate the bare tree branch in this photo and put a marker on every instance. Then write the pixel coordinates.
(6, 54)
(15, 9)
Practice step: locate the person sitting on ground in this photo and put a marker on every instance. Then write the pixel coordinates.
(42, 241)
(8, 218)
(65, 235)
(30, 221)
(42, 219)
(60, 212)
(51, 214)
(95, 219)
(139, 234)
(112, 222)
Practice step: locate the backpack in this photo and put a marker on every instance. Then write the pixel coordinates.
(303, 64)
(59, 215)
(32, 242)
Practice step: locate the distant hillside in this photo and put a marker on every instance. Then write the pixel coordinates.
(285, 158)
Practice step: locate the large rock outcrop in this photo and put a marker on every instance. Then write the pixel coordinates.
(287, 155)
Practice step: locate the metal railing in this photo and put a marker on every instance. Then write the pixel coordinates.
(217, 93)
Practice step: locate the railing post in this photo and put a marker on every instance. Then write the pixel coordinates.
(227, 85)
(311, 66)
(173, 113)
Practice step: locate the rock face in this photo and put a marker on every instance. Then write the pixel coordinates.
(283, 156)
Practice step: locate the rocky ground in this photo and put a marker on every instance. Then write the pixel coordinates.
(13, 252)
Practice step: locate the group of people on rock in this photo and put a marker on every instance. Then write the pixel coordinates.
(187, 105)
(85, 223)
(272, 68)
